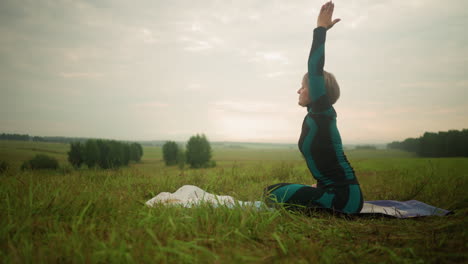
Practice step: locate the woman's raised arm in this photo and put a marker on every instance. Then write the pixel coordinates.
(317, 92)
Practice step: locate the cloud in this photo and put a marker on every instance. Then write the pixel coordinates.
(151, 105)
(255, 17)
(198, 35)
(273, 56)
(194, 87)
(196, 27)
(357, 21)
(253, 107)
(201, 43)
(79, 75)
(222, 18)
(279, 74)
(422, 84)
(148, 36)
(249, 107)
(197, 45)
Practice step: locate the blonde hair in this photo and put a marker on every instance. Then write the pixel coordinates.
(331, 86)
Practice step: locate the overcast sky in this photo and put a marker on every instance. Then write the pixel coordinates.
(168, 69)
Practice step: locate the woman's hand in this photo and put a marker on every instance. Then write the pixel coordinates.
(325, 17)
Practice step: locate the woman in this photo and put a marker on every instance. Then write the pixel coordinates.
(320, 142)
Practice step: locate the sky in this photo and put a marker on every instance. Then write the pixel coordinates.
(169, 69)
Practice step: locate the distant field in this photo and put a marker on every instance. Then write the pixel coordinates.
(99, 216)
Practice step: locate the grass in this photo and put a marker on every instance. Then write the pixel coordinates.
(98, 216)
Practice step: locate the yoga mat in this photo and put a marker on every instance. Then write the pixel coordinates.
(402, 209)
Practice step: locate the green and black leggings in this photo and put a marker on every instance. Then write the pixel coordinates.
(320, 143)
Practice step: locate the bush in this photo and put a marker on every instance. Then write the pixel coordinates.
(171, 153)
(3, 166)
(198, 153)
(39, 162)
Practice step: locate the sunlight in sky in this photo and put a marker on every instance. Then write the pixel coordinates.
(241, 128)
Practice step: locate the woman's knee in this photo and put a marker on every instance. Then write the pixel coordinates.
(269, 196)
(271, 188)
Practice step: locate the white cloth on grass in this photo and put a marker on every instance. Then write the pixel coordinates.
(190, 195)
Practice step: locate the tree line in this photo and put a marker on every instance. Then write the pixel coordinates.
(453, 143)
(26, 137)
(104, 153)
(19, 137)
(197, 153)
(93, 153)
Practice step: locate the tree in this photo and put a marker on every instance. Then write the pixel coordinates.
(104, 160)
(116, 155)
(171, 152)
(136, 152)
(92, 154)
(140, 151)
(198, 153)
(107, 153)
(76, 154)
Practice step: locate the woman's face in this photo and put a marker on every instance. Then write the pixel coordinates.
(304, 92)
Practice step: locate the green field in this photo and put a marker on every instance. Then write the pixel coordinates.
(99, 216)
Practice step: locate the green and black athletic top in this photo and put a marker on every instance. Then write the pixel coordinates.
(320, 143)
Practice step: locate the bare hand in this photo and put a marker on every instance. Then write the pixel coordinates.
(325, 17)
